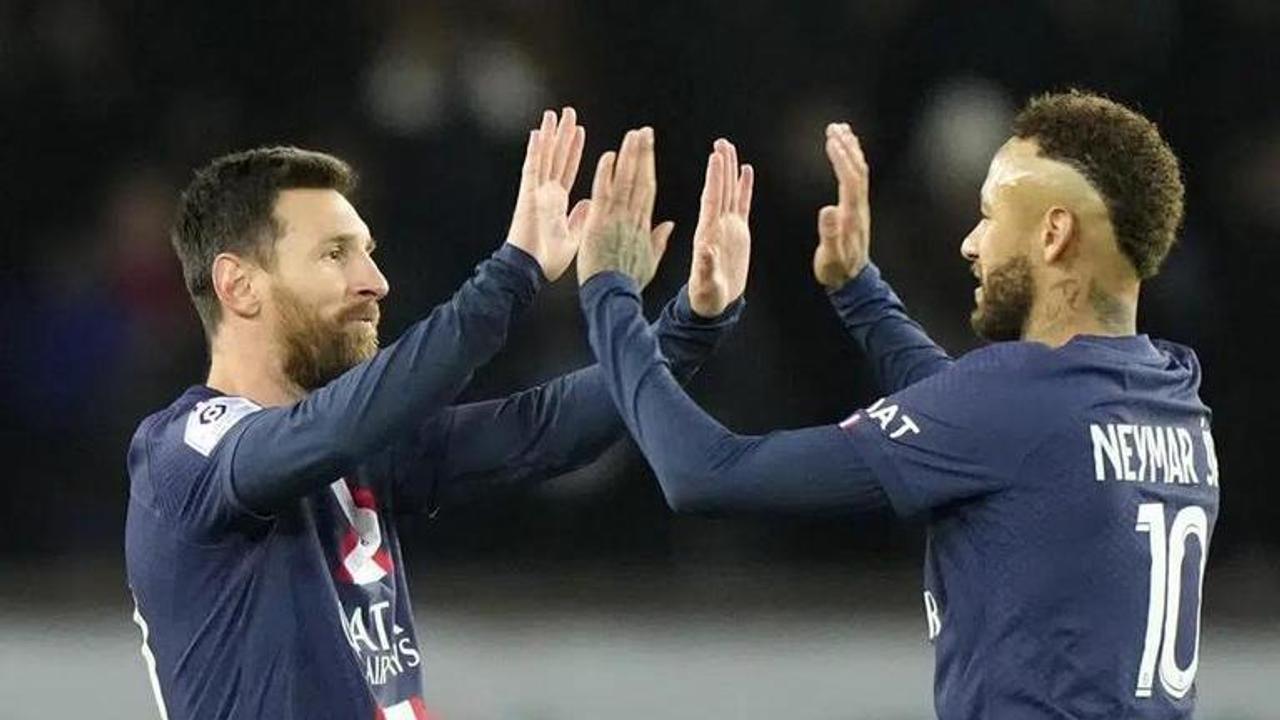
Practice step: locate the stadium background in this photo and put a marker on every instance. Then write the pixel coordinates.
(585, 597)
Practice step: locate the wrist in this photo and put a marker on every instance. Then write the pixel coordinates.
(604, 283)
(522, 260)
(706, 311)
(689, 313)
(868, 276)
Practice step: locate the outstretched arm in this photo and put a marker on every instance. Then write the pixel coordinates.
(701, 465)
(899, 349)
(279, 454)
(570, 420)
(546, 430)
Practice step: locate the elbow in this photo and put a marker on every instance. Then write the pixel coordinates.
(685, 492)
(343, 449)
(342, 452)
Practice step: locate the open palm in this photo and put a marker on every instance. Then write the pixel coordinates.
(540, 225)
(844, 229)
(722, 241)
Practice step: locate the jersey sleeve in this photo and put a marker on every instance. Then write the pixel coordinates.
(256, 459)
(701, 465)
(952, 437)
(543, 431)
(177, 472)
(898, 348)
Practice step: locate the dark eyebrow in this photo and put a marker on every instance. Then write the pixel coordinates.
(348, 239)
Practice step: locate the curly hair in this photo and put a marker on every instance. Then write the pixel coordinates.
(1124, 157)
(228, 207)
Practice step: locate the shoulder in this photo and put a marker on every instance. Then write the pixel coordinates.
(1178, 356)
(1007, 358)
(206, 422)
(178, 440)
(1005, 394)
(994, 374)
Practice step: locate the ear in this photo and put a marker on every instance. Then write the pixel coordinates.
(237, 284)
(1060, 233)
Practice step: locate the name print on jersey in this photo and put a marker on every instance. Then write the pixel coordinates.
(1150, 453)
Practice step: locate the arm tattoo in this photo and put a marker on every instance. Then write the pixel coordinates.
(626, 249)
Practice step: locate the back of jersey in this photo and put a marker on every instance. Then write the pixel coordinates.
(1093, 553)
(1071, 494)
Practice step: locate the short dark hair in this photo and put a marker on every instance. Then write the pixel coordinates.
(228, 207)
(1123, 156)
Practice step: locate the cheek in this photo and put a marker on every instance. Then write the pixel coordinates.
(999, 245)
(323, 289)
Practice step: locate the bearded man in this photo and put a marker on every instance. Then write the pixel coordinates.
(1066, 471)
(260, 543)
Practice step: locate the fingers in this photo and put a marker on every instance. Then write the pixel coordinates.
(828, 224)
(646, 188)
(854, 145)
(659, 238)
(546, 145)
(731, 189)
(844, 150)
(529, 171)
(566, 132)
(624, 174)
(746, 185)
(712, 202)
(841, 168)
(555, 150)
(578, 216)
(602, 184)
(570, 174)
(730, 176)
(635, 183)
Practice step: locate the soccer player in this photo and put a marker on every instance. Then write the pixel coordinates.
(260, 545)
(1067, 470)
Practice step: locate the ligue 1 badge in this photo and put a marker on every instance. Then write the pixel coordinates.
(211, 413)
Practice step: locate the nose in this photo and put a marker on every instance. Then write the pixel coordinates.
(371, 283)
(969, 248)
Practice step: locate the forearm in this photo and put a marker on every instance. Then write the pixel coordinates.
(701, 465)
(562, 424)
(900, 350)
(287, 452)
(687, 339)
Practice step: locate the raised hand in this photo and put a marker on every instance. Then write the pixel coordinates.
(844, 230)
(617, 233)
(722, 241)
(539, 225)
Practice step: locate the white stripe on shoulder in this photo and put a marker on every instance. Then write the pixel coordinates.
(211, 419)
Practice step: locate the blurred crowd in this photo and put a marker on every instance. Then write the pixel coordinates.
(106, 107)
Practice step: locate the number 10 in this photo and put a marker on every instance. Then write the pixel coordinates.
(1166, 595)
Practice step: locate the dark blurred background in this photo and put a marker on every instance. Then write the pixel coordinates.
(106, 107)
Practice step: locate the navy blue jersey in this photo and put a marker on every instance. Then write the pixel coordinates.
(260, 542)
(304, 613)
(1070, 495)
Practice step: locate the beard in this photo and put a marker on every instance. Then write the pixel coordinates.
(1005, 303)
(317, 350)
